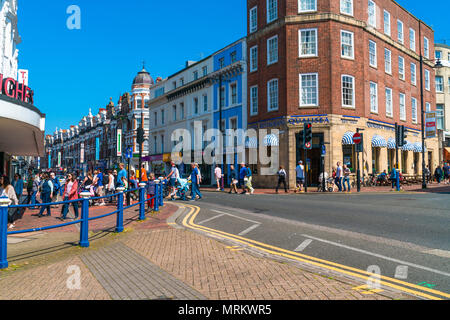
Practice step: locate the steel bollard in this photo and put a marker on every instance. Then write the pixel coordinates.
(156, 199)
(84, 228)
(142, 200)
(119, 221)
(4, 203)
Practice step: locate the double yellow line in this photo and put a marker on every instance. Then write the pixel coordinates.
(424, 292)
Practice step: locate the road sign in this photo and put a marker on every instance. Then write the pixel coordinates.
(129, 153)
(308, 145)
(357, 138)
(324, 150)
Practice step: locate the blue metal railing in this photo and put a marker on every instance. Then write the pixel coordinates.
(84, 220)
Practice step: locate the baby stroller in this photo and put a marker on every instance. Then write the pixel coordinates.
(329, 183)
(183, 188)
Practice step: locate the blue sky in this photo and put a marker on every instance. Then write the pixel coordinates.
(74, 70)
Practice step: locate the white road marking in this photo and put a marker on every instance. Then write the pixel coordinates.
(215, 217)
(401, 272)
(303, 245)
(249, 229)
(438, 252)
(232, 215)
(380, 256)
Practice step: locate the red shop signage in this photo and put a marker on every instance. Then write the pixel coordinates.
(15, 90)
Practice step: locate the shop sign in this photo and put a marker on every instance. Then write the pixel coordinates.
(16, 90)
(119, 142)
(294, 120)
(430, 124)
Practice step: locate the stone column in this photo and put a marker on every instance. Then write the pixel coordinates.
(409, 163)
(383, 159)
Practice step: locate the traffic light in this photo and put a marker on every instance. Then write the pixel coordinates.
(307, 127)
(140, 135)
(400, 135)
(403, 136)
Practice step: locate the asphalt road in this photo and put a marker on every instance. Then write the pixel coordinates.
(403, 236)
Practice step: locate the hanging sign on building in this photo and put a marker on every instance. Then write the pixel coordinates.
(119, 142)
(59, 159)
(15, 90)
(82, 153)
(430, 125)
(97, 149)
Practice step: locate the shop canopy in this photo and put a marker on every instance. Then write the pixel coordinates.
(408, 146)
(391, 144)
(418, 147)
(347, 139)
(271, 140)
(379, 142)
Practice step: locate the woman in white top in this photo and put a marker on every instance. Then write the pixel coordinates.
(8, 191)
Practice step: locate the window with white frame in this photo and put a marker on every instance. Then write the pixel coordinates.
(205, 102)
(389, 111)
(347, 48)
(387, 61)
(347, 7)
(426, 48)
(254, 100)
(400, 33)
(401, 67)
(372, 53)
(427, 80)
(373, 97)
(233, 93)
(413, 73)
(414, 110)
(440, 117)
(272, 50)
(439, 84)
(402, 105)
(412, 39)
(307, 6)
(253, 58)
(372, 11)
(253, 19)
(427, 106)
(309, 90)
(348, 91)
(308, 42)
(387, 23)
(272, 10)
(272, 95)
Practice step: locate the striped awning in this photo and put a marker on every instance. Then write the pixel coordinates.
(251, 143)
(418, 147)
(379, 142)
(391, 144)
(271, 140)
(408, 146)
(347, 139)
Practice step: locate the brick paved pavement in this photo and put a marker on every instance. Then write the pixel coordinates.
(155, 261)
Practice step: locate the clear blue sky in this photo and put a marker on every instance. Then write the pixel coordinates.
(74, 70)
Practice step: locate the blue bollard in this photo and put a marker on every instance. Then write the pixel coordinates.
(156, 199)
(142, 201)
(397, 178)
(4, 203)
(84, 228)
(119, 222)
(161, 195)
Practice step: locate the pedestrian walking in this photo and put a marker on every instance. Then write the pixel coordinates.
(218, 176)
(151, 191)
(46, 192)
(249, 180)
(339, 174)
(35, 190)
(18, 185)
(70, 193)
(122, 177)
(300, 176)
(243, 178)
(144, 177)
(195, 182)
(346, 172)
(98, 183)
(234, 180)
(173, 177)
(56, 188)
(438, 173)
(281, 179)
(446, 170)
(7, 190)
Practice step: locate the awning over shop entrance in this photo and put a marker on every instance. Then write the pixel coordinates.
(271, 140)
(379, 142)
(408, 146)
(347, 139)
(447, 154)
(418, 147)
(391, 144)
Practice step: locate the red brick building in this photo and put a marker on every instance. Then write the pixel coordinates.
(342, 65)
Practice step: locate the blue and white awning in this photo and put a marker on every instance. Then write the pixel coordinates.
(408, 146)
(418, 147)
(391, 144)
(347, 139)
(251, 143)
(379, 142)
(271, 140)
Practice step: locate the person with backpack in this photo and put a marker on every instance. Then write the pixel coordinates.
(56, 188)
(46, 192)
(99, 183)
(281, 179)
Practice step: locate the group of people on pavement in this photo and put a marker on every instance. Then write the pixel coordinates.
(442, 173)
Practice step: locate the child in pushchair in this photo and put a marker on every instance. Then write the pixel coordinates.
(182, 188)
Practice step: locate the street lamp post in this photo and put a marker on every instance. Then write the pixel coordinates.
(437, 65)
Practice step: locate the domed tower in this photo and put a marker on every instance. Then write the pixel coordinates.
(140, 97)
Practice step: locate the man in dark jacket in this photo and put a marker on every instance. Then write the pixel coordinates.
(46, 191)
